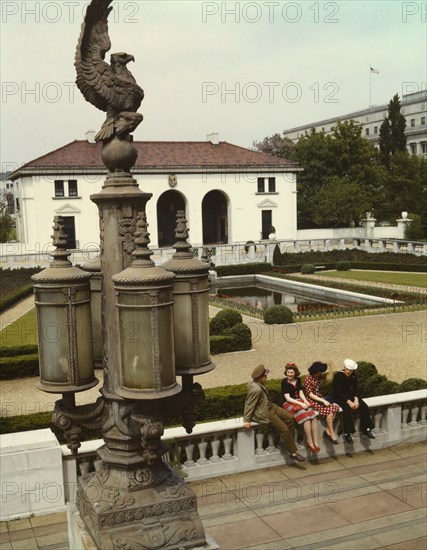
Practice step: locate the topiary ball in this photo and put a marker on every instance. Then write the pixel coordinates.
(278, 315)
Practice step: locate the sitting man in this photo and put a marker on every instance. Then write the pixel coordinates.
(259, 408)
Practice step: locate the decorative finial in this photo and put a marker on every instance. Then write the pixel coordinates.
(142, 239)
(182, 247)
(60, 241)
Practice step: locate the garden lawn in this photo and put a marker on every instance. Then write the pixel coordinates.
(397, 278)
(20, 332)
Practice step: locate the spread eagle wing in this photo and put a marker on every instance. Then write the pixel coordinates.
(96, 79)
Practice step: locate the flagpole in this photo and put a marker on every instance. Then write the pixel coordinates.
(370, 87)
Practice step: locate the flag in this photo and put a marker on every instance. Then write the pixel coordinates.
(375, 71)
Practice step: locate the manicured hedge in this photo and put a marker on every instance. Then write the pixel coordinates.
(308, 268)
(15, 285)
(353, 255)
(19, 366)
(14, 351)
(242, 269)
(13, 298)
(223, 402)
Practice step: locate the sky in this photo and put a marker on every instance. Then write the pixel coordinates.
(246, 70)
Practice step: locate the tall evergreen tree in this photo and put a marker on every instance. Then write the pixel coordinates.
(392, 132)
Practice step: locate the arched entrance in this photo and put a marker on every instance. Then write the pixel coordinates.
(167, 206)
(215, 219)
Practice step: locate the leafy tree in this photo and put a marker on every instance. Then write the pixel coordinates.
(343, 158)
(276, 145)
(6, 222)
(392, 132)
(340, 202)
(406, 186)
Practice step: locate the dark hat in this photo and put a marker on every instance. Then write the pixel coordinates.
(259, 371)
(317, 366)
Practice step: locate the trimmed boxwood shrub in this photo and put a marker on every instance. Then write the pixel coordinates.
(224, 319)
(13, 351)
(230, 316)
(217, 325)
(228, 333)
(387, 387)
(412, 384)
(278, 315)
(242, 336)
(343, 265)
(221, 343)
(19, 366)
(365, 371)
(308, 269)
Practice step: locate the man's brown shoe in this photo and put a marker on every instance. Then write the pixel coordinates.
(298, 457)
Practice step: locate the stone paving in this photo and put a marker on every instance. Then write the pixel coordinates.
(370, 500)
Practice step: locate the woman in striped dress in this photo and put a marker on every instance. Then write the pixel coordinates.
(296, 403)
(318, 402)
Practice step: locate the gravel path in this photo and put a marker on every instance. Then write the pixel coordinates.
(395, 343)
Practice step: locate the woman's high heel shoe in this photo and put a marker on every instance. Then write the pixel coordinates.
(312, 448)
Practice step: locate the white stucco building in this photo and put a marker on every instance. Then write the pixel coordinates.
(413, 107)
(229, 193)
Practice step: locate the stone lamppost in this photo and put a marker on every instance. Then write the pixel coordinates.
(154, 326)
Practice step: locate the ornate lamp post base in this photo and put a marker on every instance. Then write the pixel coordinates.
(145, 508)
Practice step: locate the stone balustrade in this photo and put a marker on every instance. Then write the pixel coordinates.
(15, 255)
(39, 476)
(225, 447)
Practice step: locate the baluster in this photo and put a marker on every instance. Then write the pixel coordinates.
(259, 437)
(423, 420)
(189, 452)
(414, 414)
(271, 446)
(405, 413)
(228, 441)
(378, 416)
(215, 448)
(203, 445)
(84, 466)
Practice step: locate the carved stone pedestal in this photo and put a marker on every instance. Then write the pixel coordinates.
(138, 509)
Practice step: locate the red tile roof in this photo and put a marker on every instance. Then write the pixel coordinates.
(158, 155)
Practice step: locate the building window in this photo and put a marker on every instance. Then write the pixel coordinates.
(271, 185)
(375, 129)
(261, 185)
(423, 121)
(59, 188)
(413, 148)
(423, 147)
(367, 131)
(412, 122)
(72, 188)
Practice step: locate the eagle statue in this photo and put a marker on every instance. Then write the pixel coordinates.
(111, 88)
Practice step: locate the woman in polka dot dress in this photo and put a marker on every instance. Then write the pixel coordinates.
(318, 402)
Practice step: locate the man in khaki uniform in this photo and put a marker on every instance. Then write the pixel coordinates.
(259, 408)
